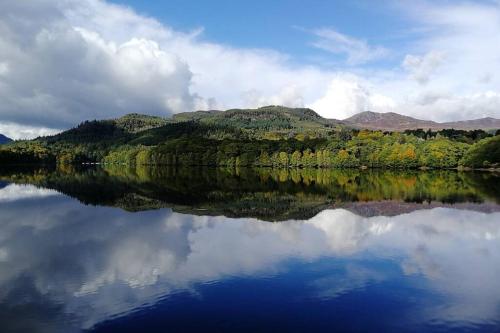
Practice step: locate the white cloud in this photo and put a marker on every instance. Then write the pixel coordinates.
(17, 131)
(62, 62)
(343, 98)
(347, 95)
(357, 51)
(422, 67)
(60, 74)
(290, 96)
(452, 106)
(4, 68)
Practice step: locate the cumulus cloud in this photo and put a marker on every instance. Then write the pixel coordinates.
(59, 74)
(343, 98)
(69, 61)
(18, 131)
(347, 95)
(453, 106)
(290, 96)
(62, 62)
(357, 51)
(422, 67)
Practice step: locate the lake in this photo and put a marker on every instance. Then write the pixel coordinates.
(121, 249)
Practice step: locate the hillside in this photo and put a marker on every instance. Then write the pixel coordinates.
(120, 129)
(485, 153)
(271, 136)
(282, 119)
(134, 122)
(265, 117)
(270, 122)
(391, 121)
(258, 122)
(4, 139)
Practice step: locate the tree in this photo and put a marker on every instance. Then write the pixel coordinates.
(283, 159)
(295, 159)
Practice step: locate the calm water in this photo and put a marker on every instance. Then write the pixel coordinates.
(209, 250)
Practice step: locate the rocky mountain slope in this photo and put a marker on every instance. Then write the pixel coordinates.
(396, 122)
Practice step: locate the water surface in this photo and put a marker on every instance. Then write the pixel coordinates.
(127, 250)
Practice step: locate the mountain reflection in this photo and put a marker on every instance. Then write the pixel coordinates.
(84, 264)
(268, 194)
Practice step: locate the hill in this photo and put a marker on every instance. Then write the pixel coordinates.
(259, 122)
(134, 122)
(4, 139)
(269, 122)
(391, 121)
(271, 136)
(119, 129)
(485, 153)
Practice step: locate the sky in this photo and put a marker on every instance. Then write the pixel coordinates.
(66, 61)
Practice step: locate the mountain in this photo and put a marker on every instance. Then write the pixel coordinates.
(118, 130)
(391, 121)
(279, 118)
(134, 122)
(269, 122)
(276, 118)
(482, 123)
(4, 139)
(272, 136)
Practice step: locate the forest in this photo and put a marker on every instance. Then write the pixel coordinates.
(299, 140)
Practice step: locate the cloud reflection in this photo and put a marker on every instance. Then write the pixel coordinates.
(13, 192)
(92, 263)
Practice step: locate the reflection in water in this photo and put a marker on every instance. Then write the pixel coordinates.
(65, 266)
(269, 194)
(13, 192)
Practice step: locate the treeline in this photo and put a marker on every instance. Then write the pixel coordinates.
(191, 143)
(366, 149)
(452, 134)
(26, 153)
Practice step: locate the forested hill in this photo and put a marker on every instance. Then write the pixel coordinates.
(302, 118)
(134, 123)
(271, 136)
(278, 117)
(4, 139)
(270, 122)
(264, 117)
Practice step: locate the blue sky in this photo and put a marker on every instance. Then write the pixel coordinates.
(283, 25)
(65, 61)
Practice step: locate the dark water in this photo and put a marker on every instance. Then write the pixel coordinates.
(164, 250)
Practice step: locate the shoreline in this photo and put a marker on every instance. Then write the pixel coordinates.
(362, 168)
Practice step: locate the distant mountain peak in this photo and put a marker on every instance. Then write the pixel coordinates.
(391, 121)
(369, 115)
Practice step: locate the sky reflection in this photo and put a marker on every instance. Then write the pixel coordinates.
(84, 264)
